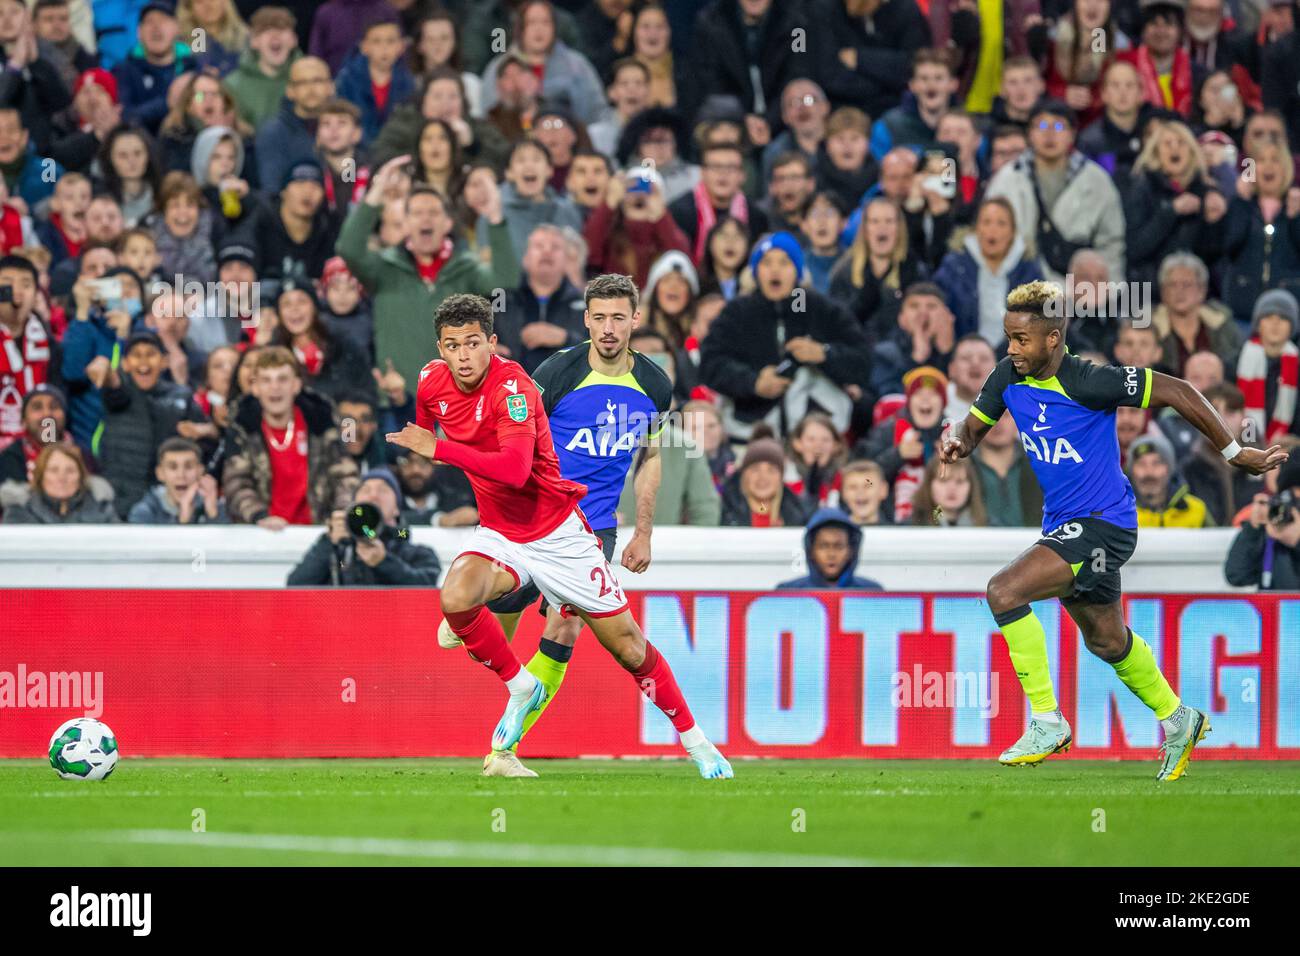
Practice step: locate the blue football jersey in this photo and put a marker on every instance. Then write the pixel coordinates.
(598, 422)
(1067, 427)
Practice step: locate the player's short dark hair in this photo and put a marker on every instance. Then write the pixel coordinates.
(178, 444)
(1040, 299)
(461, 309)
(611, 285)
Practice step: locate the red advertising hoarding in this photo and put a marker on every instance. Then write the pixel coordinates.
(305, 673)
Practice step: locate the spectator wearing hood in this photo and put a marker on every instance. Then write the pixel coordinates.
(1163, 498)
(259, 82)
(389, 559)
(145, 76)
(376, 78)
(1268, 368)
(820, 349)
(217, 164)
(754, 496)
(992, 261)
(631, 229)
(831, 544)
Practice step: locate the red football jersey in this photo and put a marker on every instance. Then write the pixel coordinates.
(499, 435)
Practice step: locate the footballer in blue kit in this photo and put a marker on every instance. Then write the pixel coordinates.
(1064, 408)
(606, 404)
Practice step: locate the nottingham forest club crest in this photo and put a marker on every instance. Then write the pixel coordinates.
(517, 406)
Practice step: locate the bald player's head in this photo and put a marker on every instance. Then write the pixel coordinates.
(310, 85)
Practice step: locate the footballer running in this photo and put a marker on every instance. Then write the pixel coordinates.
(1064, 408)
(604, 403)
(532, 531)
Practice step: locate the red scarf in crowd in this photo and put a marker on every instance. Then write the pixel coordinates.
(429, 270)
(1252, 375)
(24, 364)
(1180, 83)
(909, 476)
(706, 217)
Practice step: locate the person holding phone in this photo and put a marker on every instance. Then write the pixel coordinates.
(632, 227)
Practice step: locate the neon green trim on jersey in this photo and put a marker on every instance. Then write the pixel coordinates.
(1075, 567)
(1049, 384)
(1146, 392)
(627, 380)
(982, 417)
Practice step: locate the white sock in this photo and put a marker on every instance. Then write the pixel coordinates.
(693, 738)
(1053, 718)
(522, 684)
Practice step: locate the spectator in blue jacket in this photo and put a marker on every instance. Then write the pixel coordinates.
(290, 134)
(26, 173)
(115, 23)
(377, 79)
(992, 261)
(93, 344)
(144, 77)
(831, 544)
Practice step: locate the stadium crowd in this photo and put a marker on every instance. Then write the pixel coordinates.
(225, 227)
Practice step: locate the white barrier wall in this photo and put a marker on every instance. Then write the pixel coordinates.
(903, 559)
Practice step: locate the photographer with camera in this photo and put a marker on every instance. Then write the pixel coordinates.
(1266, 551)
(367, 544)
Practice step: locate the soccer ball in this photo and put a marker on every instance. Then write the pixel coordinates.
(83, 749)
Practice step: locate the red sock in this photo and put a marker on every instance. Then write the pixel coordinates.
(485, 640)
(655, 678)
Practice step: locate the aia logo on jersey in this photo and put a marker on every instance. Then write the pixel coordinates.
(601, 444)
(1046, 452)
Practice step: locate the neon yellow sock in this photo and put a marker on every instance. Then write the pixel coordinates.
(551, 673)
(1027, 643)
(1141, 674)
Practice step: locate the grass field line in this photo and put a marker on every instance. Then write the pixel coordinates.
(710, 791)
(494, 852)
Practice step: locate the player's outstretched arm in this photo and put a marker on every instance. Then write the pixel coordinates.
(1193, 406)
(416, 439)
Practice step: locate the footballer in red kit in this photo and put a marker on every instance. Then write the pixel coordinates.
(495, 430)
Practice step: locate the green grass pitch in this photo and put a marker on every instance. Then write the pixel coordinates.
(421, 812)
